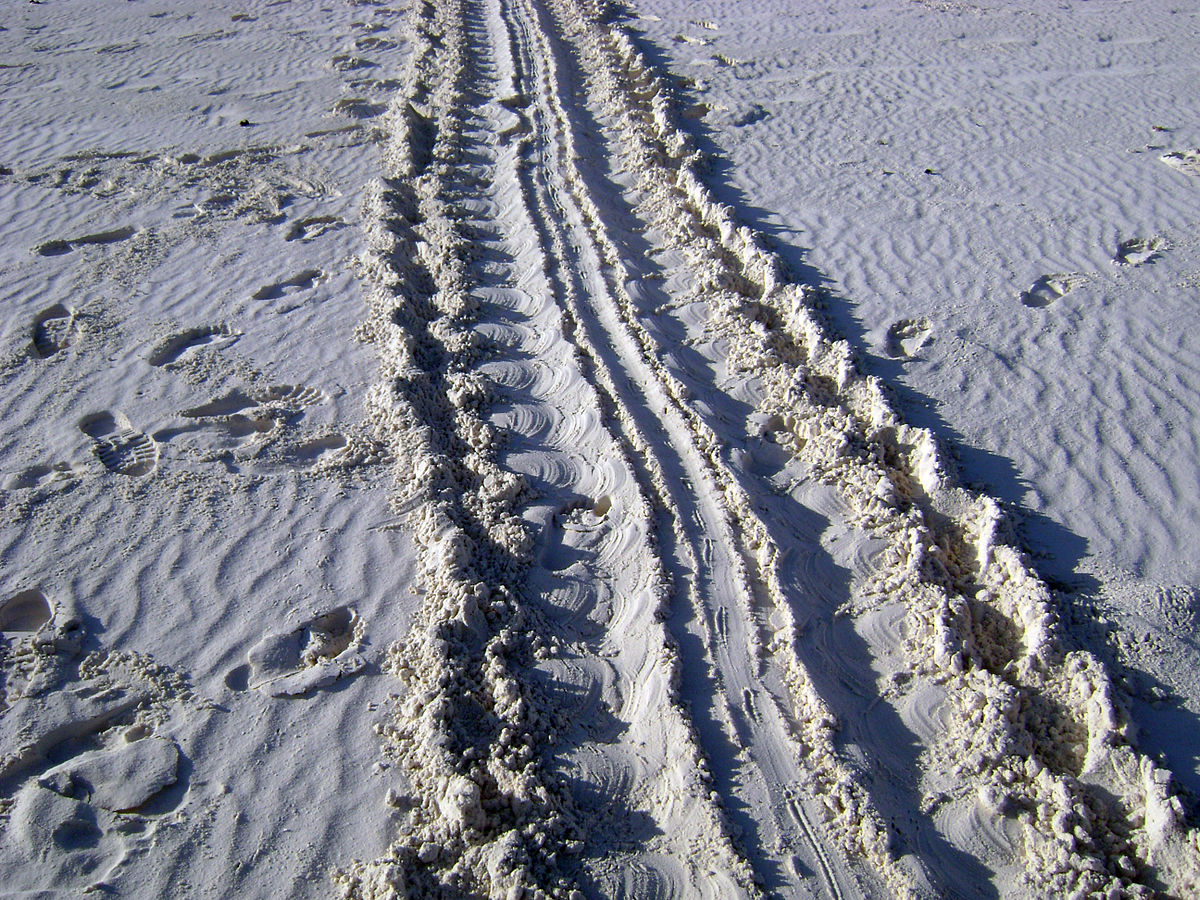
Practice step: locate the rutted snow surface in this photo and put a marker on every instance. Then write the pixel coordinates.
(596, 566)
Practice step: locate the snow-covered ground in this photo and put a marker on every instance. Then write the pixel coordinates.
(517, 448)
(1003, 202)
(180, 384)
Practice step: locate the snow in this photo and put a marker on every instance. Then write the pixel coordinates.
(539, 448)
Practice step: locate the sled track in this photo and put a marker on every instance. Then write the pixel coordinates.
(607, 689)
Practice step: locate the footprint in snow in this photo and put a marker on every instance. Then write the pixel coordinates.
(96, 764)
(302, 281)
(216, 435)
(120, 447)
(1049, 288)
(315, 655)
(317, 451)
(1185, 161)
(348, 63)
(42, 475)
(378, 44)
(1136, 251)
(358, 108)
(170, 349)
(245, 419)
(295, 396)
(37, 636)
(755, 113)
(907, 337)
(314, 227)
(61, 246)
(120, 778)
(24, 612)
(52, 330)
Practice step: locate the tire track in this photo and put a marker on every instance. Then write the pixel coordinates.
(571, 272)
(482, 814)
(710, 568)
(474, 732)
(1036, 732)
(734, 573)
(650, 590)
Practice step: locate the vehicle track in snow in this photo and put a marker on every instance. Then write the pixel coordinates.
(457, 333)
(714, 538)
(607, 687)
(1030, 732)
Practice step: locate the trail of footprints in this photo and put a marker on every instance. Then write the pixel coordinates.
(237, 425)
(88, 764)
(239, 421)
(1131, 252)
(907, 337)
(247, 180)
(104, 720)
(254, 183)
(258, 182)
(372, 94)
(235, 421)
